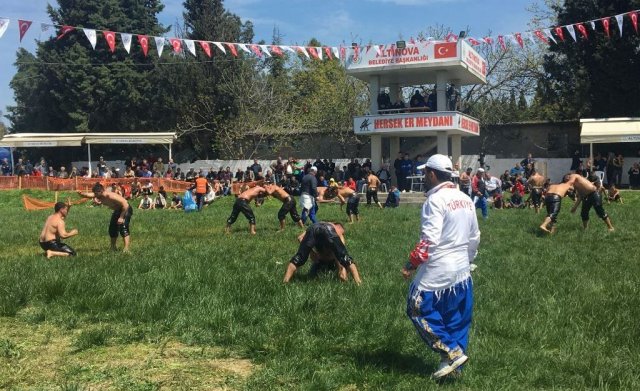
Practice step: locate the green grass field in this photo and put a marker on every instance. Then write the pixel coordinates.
(193, 308)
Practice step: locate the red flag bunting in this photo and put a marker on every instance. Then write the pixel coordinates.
(23, 25)
(412, 41)
(541, 36)
(501, 41)
(560, 33)
(473, 41)
(451, 37)
(233, 49)
(583, 30)
(605, 24)
(206, 47)
(343, 52)
(64, 31)
(519, 39)
(276, 50)
(256, 50)
(110, 36)
(143, 40)
(313, 53)
(488, 40)
(634, 21)
(176, 44)
(356, 52)
(327, 50)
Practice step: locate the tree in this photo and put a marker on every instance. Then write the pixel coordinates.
(594, 77)
(69, 87)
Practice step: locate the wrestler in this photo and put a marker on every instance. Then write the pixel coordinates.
(242, 205)
(589, 196)
(613, 194)
(553, 200)
(54, 231)
(288, 205)
(121, 216)
(536, 185)
(373, 183)
(326, 240)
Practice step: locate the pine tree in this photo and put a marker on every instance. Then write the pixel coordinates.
(67, 86)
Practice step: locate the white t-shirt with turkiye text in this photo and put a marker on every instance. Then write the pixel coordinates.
(449, 239)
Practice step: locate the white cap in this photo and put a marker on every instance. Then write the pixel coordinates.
(480, 169)
(314, 169)
(439, 163)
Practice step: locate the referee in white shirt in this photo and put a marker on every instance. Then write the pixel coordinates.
(440, 300)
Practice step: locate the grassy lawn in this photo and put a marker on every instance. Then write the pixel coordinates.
(194, 308)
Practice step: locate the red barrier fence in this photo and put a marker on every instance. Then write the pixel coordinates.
(57, 184)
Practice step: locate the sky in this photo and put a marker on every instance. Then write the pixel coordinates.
(332, 22)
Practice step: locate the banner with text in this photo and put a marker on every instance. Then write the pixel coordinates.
(412, 122)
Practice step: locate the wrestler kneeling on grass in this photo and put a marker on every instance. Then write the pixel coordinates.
(325, 243)
(54, 231)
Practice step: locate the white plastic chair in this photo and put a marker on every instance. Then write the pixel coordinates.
(600, 175)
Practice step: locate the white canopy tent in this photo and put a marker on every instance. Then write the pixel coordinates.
(609, 130)
(22, 140)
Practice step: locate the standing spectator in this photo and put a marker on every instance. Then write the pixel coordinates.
(600, 163)
(158, 167)
(367, 165)
(618, 163)
(479, 191)
(396, 167)
(528, 160)
(465, 181)
(239, 177)
(256, 168)
(634, 176)
(5, 167)
(384, 175)
(494, 189)
(406, 169)
(440, 301)
(19, 168)
(102, 167)
(63, 174)
(200, 187)
(575, 161)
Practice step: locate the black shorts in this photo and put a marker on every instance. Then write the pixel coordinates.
(241, 206)
(352, 205)
(536, 196)
(122, 229)
(372, 193)
(289, 207)
(324, 238)
(553, 202)
(58, 246)
(592, 200)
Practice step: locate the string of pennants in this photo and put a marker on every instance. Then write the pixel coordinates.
(545, 35)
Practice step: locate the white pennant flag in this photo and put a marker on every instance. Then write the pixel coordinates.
(304, 51)
(336, 52)
(126, 41)
(159, 45)
(620, 21)
(377, 48)
(191, 46)
(547, 32)
(266, 51)
(219, 45)
(593, 25)
(91, 36)
(531, 37)
(244, 48)
(4, 23)
(319, 51)
(288, 48)
(572, 32)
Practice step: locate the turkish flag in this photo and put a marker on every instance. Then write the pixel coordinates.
(206, 47)
(583, 30)
(176, 44)
(445, 50)
(110, 36)
(64, 31)
(634, 21)
(232, 47)
(256, 50)
(24, 26)
(328, 51)
(276, 50)
(313, 53)
(144, 43)
(605, 24)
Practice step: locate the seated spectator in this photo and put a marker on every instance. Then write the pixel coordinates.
(168, 174)
(160, 202)
(384, 100)
(191, 175)
(178, 174)
(417, 100)
(52, 173)
(146, 202)
(74, 173)
(350, 183)
(517, 193)
(494, 189)
(517, 169)
(249, 176)
(322, 182)
(136, 188)
(393, 198)
(147, 188)
(63, 174)
(210, 196)
(158, 167)
(432, 100)
(239, 177)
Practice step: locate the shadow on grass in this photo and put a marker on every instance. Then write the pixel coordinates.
(392, 361)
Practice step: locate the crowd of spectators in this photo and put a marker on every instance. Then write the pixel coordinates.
(421, 100)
